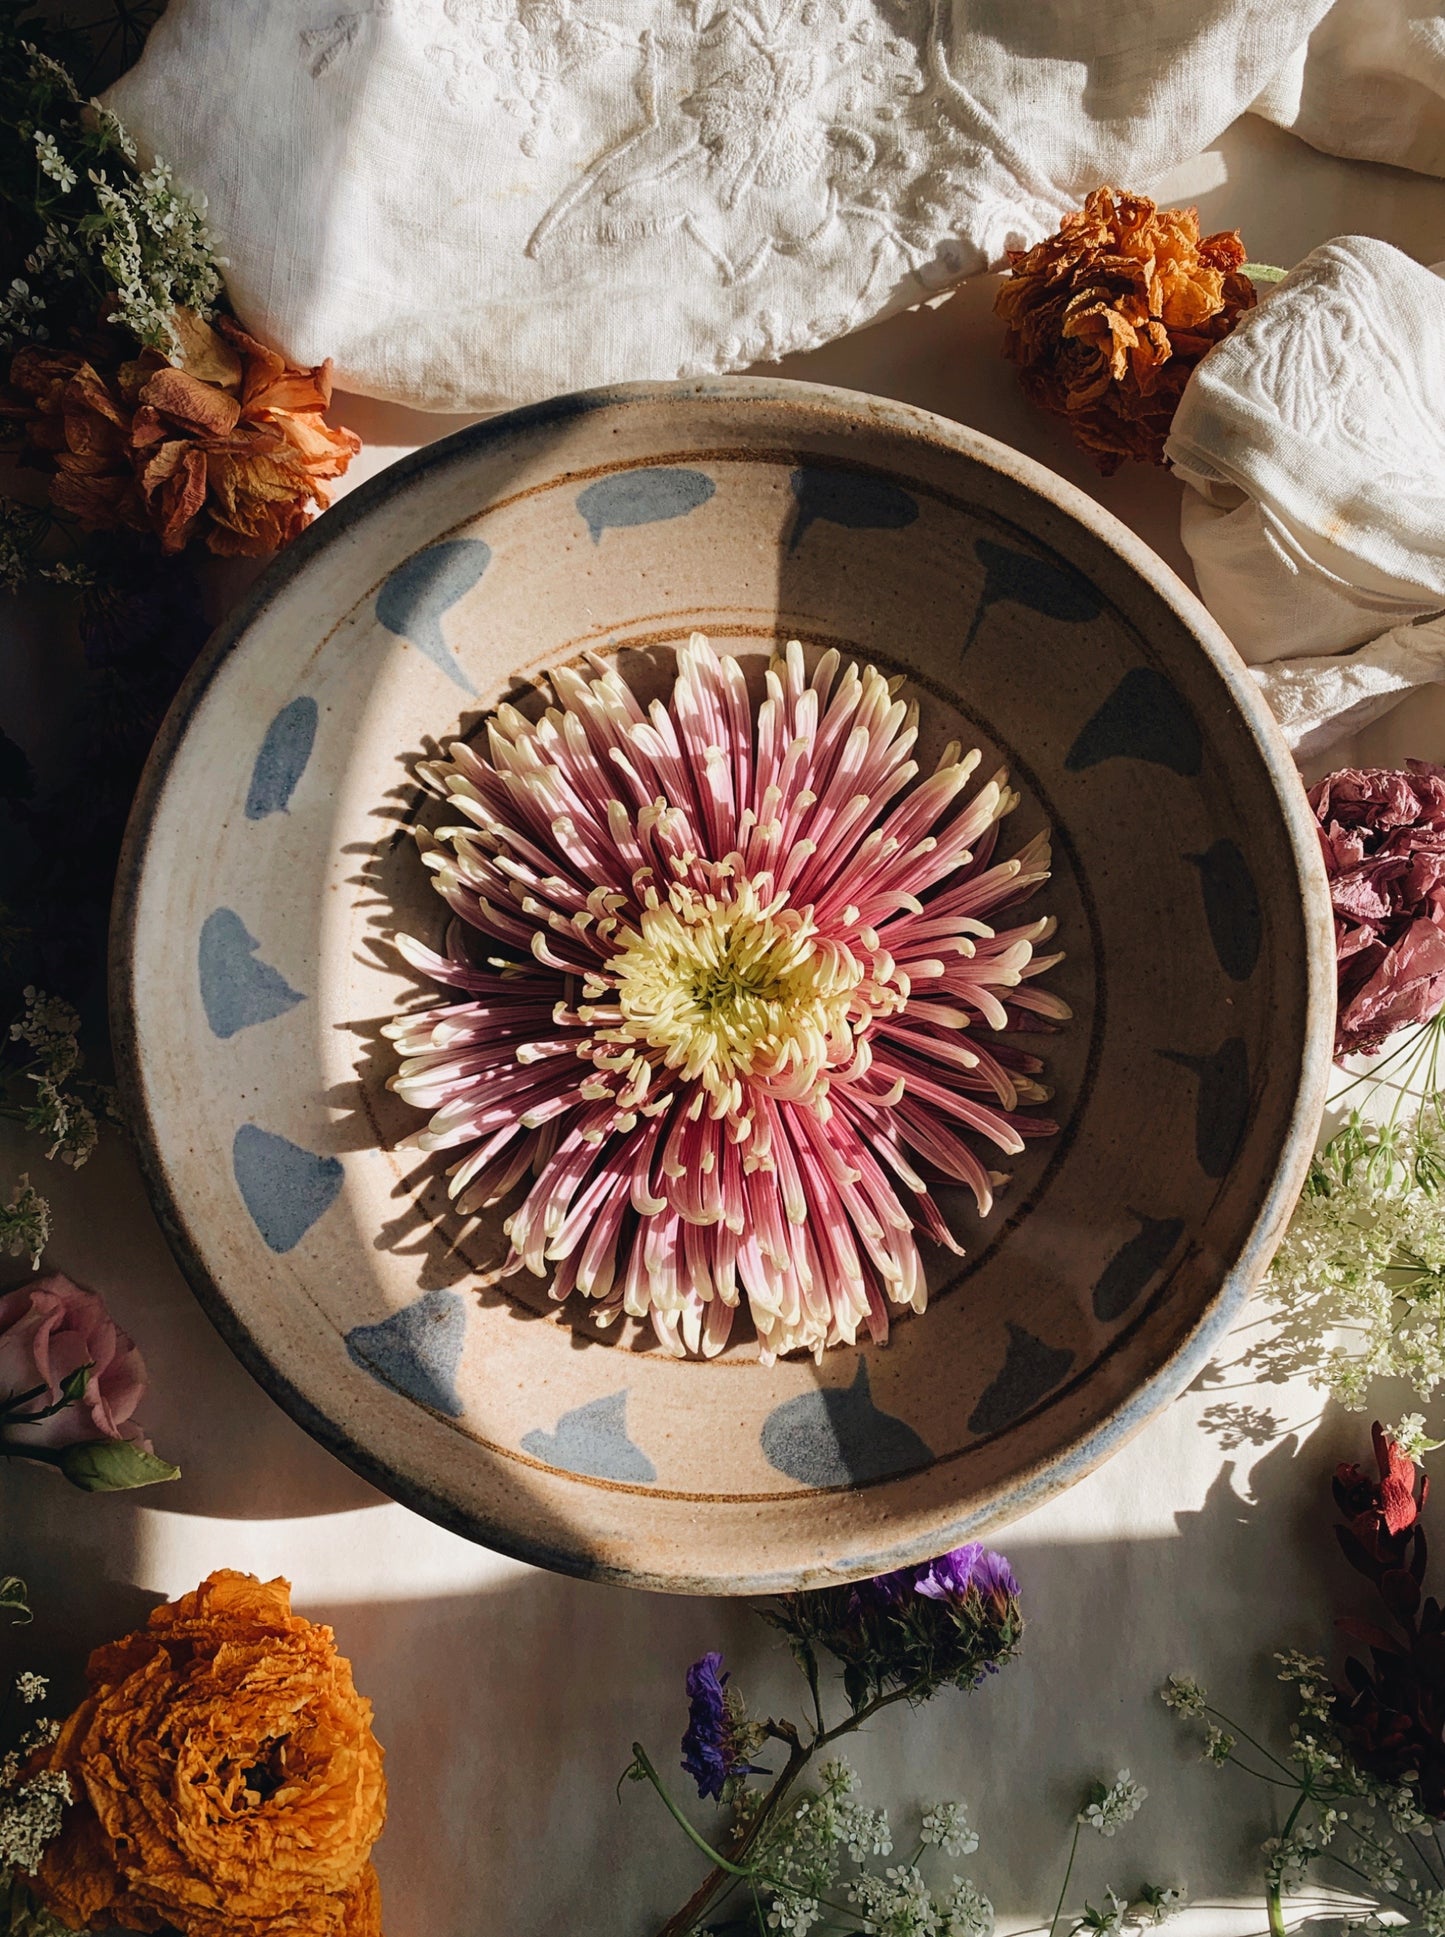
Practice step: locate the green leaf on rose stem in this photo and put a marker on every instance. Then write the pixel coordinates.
(15, 1598)
(1263, 272)
(113, 1465)
(72, 1389)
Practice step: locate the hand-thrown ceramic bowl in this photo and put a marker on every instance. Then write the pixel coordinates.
(268, 862)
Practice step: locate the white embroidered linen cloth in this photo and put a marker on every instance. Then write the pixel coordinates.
(470, 203)
(1313, 442)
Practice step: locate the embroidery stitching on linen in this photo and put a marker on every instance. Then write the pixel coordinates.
(765, 128)
(826, 132)
(521, 54)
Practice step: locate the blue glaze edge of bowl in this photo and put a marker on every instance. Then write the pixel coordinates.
(1034, 1484)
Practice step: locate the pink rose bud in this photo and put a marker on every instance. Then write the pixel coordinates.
(48, 1330)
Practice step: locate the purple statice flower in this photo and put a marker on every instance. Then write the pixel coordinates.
(710, 1753)
(950, 1576)
(973, 1566)
(993, 1576)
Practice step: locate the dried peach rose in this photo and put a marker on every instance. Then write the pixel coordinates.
(1107, 318)
(224, 442)
(226, 1777)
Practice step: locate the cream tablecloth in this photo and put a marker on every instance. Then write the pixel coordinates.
(508, 1698)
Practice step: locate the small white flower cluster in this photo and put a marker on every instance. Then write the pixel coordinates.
(21, 309)
(154, 246)
(864, 1832)
(1286, 1858)
(30, 1817)
(1364, 1257)
(1311, 1680)
(53, 163)
(31, 1806)
(1156, 1904)
(49, 1028)
(802, 1858)
(25, 1223)
(1218, 1744)
(1108, 1810)
(946, 1827)
(1184, 1695)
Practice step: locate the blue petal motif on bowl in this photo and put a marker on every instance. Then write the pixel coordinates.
(1231, 908)
(1124, 1277)
(281, 759)
(1223, 1106)
(593, 1439)
(642, 497)
(417, 1350)
(1031, 1370)
(854, 499)
(285, 1188)
(836, 1436)
(1018, 578)
(1146, 717)
(237, 989)
(417, 595)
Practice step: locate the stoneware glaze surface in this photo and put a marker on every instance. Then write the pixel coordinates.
(268, 861)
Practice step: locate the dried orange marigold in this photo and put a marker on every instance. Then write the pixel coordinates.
(226, 1779)
(1107, 318)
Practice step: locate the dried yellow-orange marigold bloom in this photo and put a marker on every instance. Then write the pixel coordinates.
(1107, 318)
(225, 1776)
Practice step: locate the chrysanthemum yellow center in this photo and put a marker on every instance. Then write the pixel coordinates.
(729, 988)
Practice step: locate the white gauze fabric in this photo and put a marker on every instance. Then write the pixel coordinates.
(1313, 440)
(470, 203)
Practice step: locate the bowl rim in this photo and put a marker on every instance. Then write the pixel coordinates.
(1044, 1477)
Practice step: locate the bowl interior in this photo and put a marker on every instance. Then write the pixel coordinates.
(270, 863)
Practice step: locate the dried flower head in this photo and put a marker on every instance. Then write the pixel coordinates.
(731, 995)
(222, 441)
(227, 1780)
(1107, 319)
(715, 1746)
(1382, 835)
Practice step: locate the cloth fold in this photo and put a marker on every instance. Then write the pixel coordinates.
(1313, 440)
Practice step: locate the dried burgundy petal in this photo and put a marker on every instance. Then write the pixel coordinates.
(1382, 837)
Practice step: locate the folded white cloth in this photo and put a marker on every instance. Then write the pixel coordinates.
(1313, 438)
(469, 203)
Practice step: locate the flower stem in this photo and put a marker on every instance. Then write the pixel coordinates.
(685, 1919)
(1068, 1872)
(644, 1762)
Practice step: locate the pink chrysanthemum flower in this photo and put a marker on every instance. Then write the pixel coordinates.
(739, 991)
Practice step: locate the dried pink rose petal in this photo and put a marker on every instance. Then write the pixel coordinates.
(1382, 834)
